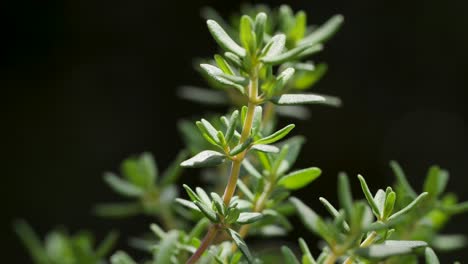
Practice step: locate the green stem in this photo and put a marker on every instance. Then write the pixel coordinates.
(236, 164)
(366, 243)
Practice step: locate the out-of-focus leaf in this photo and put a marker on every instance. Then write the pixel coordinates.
(31, 241)
(123, 187)
(400, 175)
(289, 256)
(436, 181)
(121, 257)
(300, 178)
(107, 244)
(167, 246)
(390, 248)
(324, 32)
(265, 148)
(118, 210)
(409, 207)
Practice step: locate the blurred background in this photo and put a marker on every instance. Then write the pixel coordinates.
(87, 83)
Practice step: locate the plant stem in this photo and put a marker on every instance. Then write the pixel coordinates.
(367, 242)
(206, 242)
(236, 164)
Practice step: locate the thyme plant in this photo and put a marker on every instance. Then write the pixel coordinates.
(262, 71)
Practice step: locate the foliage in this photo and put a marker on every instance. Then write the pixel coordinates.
(262, 70)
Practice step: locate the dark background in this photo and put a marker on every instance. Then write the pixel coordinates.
(87, 83)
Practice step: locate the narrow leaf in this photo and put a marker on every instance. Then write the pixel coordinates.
(402, 180)
(275, 136)
(436, 181)
(232, 125)
(240, 244)
(121, 257)
(300, 178)
(431, 257)
(167, 246)
(368, 195)
(248, 218)
(344, 194)
(223, 39)
(210, 214)
(291, 54)
(122, 187)
(390, 248)
(275, 46)
(409, 207)
(223, 65)
(307, 257)
(266, 148)
(295, 99)
(241, 147)
(325, 31)
(206, 158)
(289, 257)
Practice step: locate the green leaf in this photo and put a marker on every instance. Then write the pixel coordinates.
(449, 242)
(436, 181)
(389, 204)
(390, 248)
(232, 125)
(259, 26)
(306, 79)
(248, 218)
(324, 32)
(167, 246)
(307, 257)
(218, 202)
(300, 178)
(118, 210)
(292, 54)
(223, 65)
(141, 171)
(107, 244)
(223, 39)
(333, 211)
(289, 257)
(206, 158)
(257, 121)
(230, 80)
(298, 31)
(246, 34)
(344, 194)
(121, 257)
(379, 199)
(204, 198)
(251, 169)
(233, 59)
(402, 180)
(294, 147)
(409, 207)
(122, 187)
(210, 214)
(265, 148)
(240, 244)
(274, 47)
(282, 79)
(241, 147)
(295, 99)
(245, 190)
(202, 95)
(193, 196)
(31, 241)
(368, 195)
(187, 204)
(309, 218)
(431, 257)
(275, 136)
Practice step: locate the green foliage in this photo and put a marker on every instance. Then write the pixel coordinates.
(59, 247)
(262, 71)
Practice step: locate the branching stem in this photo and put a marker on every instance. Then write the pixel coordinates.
(236, 164)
